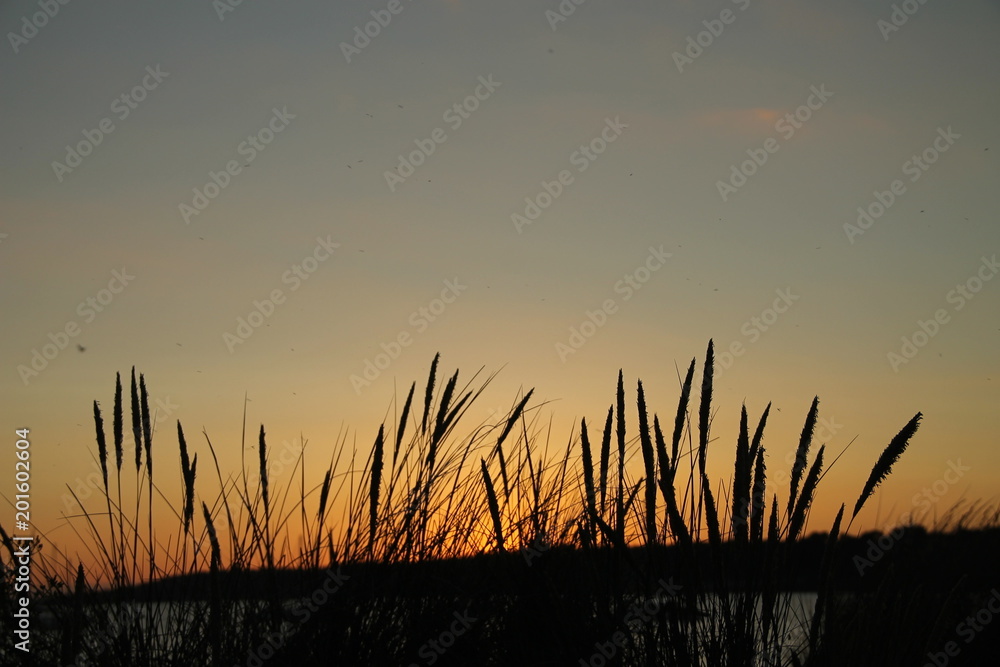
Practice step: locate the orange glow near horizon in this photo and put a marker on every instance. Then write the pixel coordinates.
(294, 473)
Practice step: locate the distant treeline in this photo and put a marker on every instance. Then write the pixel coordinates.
(861, 564)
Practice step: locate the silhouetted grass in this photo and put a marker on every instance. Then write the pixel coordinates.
(530, 557)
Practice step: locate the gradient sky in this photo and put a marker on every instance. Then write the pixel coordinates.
(684, 126)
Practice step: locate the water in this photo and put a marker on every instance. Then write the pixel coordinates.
(160, 621)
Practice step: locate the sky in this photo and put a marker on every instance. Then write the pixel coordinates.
(300, 204)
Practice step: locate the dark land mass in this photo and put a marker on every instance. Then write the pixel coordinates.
(911, 598)
(861, 565)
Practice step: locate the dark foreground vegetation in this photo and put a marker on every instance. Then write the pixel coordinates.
(483, 547)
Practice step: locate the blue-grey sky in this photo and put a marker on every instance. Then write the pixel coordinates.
(671, 235)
